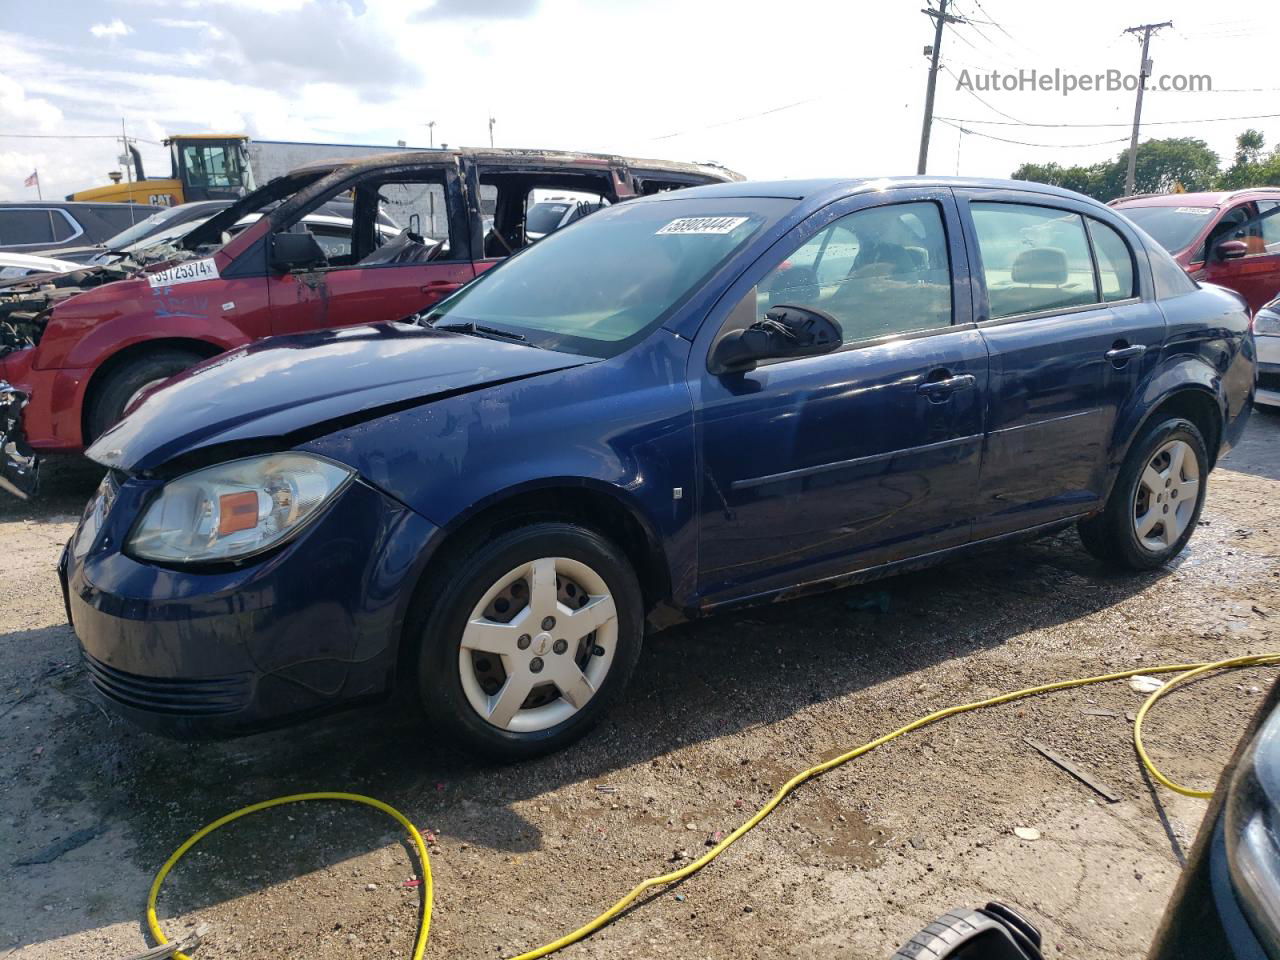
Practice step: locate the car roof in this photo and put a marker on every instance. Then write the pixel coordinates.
(516, 157)
(816, 188)
(77, 205)
(1208, 198)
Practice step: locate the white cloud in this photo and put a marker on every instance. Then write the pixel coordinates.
(116, 28)
(581, 74)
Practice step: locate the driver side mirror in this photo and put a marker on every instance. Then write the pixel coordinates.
(296, 251)
(1230, 250)
(786, 332)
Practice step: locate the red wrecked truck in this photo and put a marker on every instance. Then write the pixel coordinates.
(76, 349)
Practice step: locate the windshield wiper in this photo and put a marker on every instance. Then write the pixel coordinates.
(479, 329)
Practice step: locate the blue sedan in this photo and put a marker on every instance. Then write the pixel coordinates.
(710, 397)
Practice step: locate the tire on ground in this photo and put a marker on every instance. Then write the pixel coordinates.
(1111, 535)
(111, 396)
(449, 603)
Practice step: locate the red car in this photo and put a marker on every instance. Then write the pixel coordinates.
(1231, 239)
(72, 359)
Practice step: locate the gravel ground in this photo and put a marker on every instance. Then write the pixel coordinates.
(719, 714)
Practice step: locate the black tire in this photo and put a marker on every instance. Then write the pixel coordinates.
(1111, 535)
(110, 397)
(449, 605)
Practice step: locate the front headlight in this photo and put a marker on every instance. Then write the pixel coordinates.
(1266, 323)
(1253, 831)
(235, 509)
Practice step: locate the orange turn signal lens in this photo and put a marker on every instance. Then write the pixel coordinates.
(236, 512)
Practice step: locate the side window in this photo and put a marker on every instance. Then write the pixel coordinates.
(1115, 262)
(522, 209)
(334, 240)
(417, 206)
(18, 227)
(1033, 258)
(880, 272)
(1270, 212)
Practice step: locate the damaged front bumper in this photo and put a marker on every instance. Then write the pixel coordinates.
(19, 464)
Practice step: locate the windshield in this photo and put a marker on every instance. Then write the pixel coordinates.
(599, 286)
(545, 217)
(1172, 227)
(140, 229)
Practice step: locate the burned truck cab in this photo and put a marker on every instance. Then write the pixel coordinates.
(78, 351)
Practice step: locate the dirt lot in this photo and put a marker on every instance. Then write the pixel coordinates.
(719, 713)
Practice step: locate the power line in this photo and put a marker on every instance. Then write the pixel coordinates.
(969, 91)
(1024, 143)
(748, 116)
(74, 136)
(1149, 123)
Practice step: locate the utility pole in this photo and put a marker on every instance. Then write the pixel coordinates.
(431, 132)
(1144, 71)
(940, 18)
(491, 123)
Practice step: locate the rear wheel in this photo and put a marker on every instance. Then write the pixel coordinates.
(530, 641)
(112, 396)
(1155, 505)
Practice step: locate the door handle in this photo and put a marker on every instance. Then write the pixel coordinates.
(439, 286)
(1121, 354)
(940, 389)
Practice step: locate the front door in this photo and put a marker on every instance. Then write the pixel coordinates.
(1256, 275)
(1070, 336)
(819, 466)
(409, 249)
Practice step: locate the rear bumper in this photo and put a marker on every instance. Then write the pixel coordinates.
(309, 628)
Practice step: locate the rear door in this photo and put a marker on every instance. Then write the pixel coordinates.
(1060, 306)
(375, 278)
(817, 466)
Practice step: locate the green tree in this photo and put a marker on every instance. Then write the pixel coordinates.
(1162, 165)
(1249, 147)
(1252, 168)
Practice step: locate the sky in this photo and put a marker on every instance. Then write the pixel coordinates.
(772, 90)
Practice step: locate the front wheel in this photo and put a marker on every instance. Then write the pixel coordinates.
(531, 639)
(112, 397)
(1155, 504)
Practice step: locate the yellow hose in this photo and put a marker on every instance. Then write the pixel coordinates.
(1187, 671)
(419, 946)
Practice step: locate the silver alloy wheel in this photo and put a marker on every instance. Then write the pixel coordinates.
(1165, 499)
(538, 645)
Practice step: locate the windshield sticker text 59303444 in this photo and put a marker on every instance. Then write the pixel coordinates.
(190, 272)
(686, 225)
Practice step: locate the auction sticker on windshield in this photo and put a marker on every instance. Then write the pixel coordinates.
(686, 225)
(206, 269)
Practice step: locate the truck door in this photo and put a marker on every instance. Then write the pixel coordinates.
(409, 249)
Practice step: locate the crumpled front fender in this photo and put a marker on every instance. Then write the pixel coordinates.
(19, 464)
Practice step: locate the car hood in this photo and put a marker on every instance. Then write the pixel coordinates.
(285, 390)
